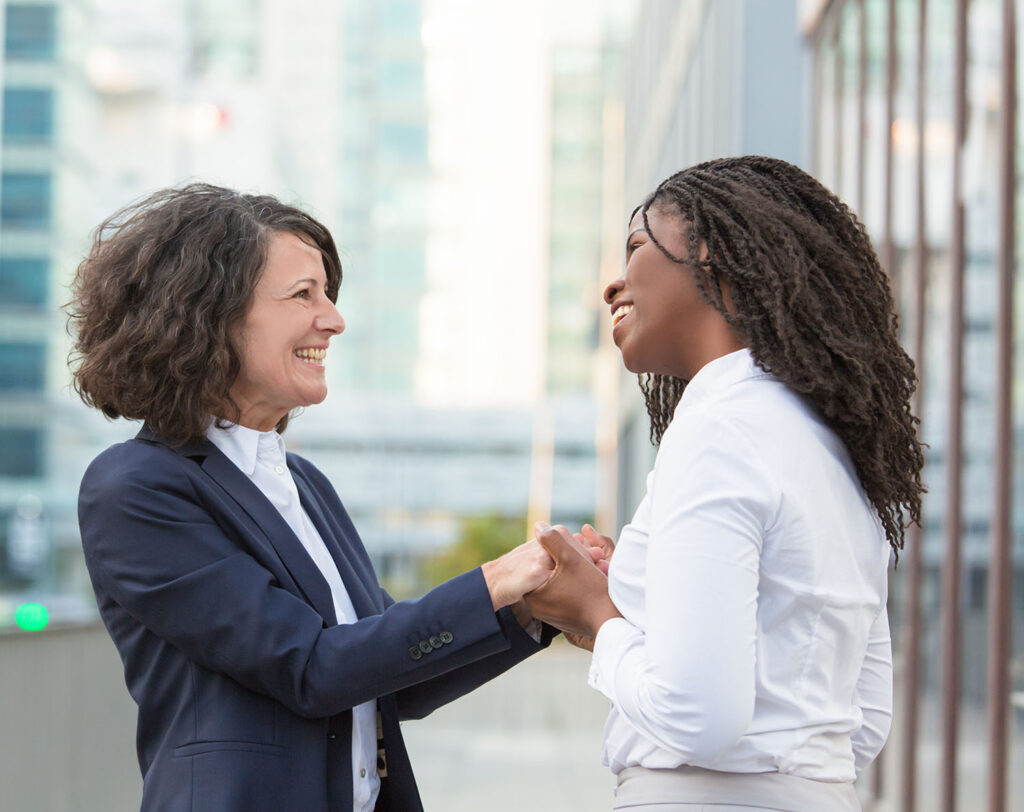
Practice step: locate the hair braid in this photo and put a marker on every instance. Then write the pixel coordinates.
(813, 304)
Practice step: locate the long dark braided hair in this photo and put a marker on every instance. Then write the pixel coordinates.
(811, 301)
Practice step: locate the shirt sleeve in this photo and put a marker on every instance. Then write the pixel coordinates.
(873, 694)
(687, 681)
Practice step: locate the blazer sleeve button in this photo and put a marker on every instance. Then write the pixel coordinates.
(435, 641)
(414, 652)
(425, 647)
(446, 637)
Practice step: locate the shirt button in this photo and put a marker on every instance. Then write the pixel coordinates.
(362, 772)
(278, 469)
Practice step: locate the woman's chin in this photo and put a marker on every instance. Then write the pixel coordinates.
(316, 397)
(631, 365)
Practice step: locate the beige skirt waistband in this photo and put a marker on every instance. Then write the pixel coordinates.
(639, 786)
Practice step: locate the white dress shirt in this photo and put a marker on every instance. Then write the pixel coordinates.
(261, 457)
(752, 584)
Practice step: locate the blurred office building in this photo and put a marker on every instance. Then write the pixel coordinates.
(39, 168)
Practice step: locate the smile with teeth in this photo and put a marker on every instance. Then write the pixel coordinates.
(620, 313)
(312, 355)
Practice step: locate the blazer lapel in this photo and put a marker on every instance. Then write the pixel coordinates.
(285, 543)
(358, 589)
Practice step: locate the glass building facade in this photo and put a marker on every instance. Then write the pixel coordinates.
(916, 124)
(29, 77)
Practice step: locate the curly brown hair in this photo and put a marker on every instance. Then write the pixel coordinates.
(155, 302)
(811, 301)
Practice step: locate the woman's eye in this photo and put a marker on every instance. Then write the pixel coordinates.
(302, 294)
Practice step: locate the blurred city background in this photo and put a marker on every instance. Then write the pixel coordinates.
(477, 163)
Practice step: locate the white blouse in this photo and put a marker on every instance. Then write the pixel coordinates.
(752, 584)
(260, 455)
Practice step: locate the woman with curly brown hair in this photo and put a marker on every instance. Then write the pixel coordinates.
(751, 665)
(270, 668)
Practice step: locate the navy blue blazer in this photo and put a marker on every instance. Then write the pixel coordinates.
(231, 649)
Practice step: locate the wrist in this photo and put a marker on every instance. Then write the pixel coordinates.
(522, 613)
(602, 613)
(492, 579)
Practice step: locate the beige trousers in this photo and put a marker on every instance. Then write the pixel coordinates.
(689, 789)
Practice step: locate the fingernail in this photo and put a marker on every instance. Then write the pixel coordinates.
(540, 527)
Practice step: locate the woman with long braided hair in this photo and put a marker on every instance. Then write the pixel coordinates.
(749, 662)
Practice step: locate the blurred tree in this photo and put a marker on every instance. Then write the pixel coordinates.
(481, 539)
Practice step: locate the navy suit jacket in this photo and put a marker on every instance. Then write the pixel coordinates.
(231, 649)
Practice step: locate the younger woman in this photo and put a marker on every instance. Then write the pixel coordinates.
(751, 664)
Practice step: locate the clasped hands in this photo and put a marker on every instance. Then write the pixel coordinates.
(574, 598)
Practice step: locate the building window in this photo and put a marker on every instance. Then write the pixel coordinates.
(22, 452)
(22, 367)
(25, 200)
(30, 31)
(28, 115)
(23, 281)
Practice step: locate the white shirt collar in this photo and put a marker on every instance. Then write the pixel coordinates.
(245, 446)
(718, 375)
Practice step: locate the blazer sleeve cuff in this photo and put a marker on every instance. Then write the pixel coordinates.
(518, 637)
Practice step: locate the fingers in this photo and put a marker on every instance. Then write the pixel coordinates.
(595, 547)
(595, 539)
(559, 543)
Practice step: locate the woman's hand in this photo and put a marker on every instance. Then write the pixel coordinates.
(519, 571)
(575, 597)
(593, 540)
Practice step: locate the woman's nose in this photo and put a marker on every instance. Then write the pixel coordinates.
(613, 289)
(330, 320)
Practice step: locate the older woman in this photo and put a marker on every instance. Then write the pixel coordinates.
(269, 666)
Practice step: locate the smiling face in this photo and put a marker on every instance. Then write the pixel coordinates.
(283, 338)
(662, 324)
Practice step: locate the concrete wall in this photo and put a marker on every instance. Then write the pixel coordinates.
(67, 724)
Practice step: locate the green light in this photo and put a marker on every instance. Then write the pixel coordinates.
(32, 617)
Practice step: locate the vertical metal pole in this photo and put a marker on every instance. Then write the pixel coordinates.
(816, 103)
(837, 40)
(862, 82)
(891, 61)
(999, 582)
(888, 252)
(954, 441)
(911, 640)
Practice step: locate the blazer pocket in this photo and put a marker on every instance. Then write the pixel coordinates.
(198, 748)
